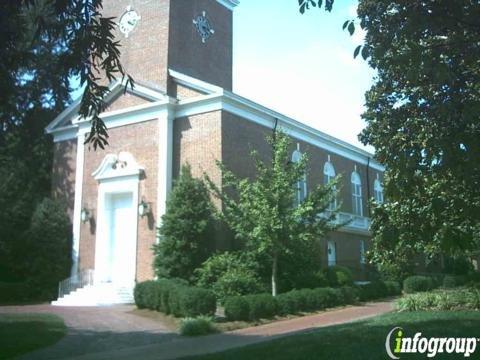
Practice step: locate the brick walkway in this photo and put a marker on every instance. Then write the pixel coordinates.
(96, 329)
(179, 347)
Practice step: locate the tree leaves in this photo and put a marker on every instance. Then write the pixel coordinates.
(263, 212)
(306, 4)
(419, 119)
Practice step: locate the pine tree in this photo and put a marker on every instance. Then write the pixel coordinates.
(187, 228)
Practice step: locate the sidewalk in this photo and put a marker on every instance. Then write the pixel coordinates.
(181, 347)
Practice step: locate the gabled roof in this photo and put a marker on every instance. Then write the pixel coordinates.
(66, 119)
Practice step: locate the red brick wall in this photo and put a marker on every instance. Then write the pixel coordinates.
(63, 176)
(210, 61)
(126, 100)
(240, 137)
(141, 141)
(144, 53)
(165, 37)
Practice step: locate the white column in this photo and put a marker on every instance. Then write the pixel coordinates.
(165, 153)
(77, 209)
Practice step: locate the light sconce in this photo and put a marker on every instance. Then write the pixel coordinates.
(85, 215)
(143, 208)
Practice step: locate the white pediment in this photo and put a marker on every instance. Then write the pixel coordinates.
(115, 166)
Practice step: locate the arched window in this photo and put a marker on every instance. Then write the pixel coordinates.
(329, 175)
(302, 184)
(378, 191)
(357, 204)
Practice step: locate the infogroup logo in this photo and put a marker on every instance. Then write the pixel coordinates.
(430, 346)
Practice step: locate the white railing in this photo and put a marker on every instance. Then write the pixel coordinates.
(82, 279)
(349, 221)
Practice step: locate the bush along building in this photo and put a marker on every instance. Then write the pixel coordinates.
(181, 110)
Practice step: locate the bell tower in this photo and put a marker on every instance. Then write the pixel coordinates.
(193, 37)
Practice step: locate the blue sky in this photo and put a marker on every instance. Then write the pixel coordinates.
(302, 65)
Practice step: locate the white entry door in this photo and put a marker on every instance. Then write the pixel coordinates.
(121, 238)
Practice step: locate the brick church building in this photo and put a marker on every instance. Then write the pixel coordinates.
(181, 110)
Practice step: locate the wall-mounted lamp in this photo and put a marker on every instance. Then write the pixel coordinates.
(143, 208)
(85, 215)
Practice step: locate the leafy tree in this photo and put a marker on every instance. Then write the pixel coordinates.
(63, 39)
(263, 213)
(423, 120)
(187, 229)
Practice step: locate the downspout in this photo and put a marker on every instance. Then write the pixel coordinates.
(368, 185)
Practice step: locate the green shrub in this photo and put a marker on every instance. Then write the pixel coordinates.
(174, 297)
(393, 288)
(474, 277)
(12, 293)
(237, 309)
(201, 325)
(325, 297)
(350, 294)
(229, 274)
(417, 283)
(451, 281)
(261, 306)
(339, 276)
(442, 300)
(196, 301)
(287, 303)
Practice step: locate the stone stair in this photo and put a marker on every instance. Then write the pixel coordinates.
(97, 295)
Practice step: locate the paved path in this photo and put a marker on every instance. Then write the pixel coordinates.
(97, 329)
(179, 347)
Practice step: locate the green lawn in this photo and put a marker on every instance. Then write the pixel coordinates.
(22, 333)
(362, 340)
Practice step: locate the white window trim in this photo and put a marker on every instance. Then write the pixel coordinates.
(356, 181)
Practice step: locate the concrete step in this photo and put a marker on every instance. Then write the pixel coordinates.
(101, 294)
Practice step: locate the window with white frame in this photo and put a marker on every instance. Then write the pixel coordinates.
(378, 191)
(357, 203)
(329, 175)
(301, 191)
(331, 253)
(363, 259)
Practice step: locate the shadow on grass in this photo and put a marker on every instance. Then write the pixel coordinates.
(22, 333)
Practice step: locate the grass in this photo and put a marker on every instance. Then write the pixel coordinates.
(360, 340)
(22, 333)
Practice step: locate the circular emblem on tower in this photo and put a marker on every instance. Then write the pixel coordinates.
(128, 21)
(203, 26)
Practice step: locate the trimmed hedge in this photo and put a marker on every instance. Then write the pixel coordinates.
(174, 297)
(451, 281)
(254, 307)
(417, 283)
(261, 306)
(339, 276)
(237, 308)
(378, 289)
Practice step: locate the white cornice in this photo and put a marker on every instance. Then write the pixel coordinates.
(194, 83)
(261, 115)
(229, 4)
